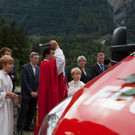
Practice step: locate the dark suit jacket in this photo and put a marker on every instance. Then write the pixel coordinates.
(67, 73)
(29, 81)
(85, 78)
(13, 72)
(96, 70)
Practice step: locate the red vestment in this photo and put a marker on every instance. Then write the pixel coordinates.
(51, 90)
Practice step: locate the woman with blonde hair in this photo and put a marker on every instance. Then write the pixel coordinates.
(85, 77)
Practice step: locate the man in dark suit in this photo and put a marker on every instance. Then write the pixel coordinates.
(29, 92)
(98, 67)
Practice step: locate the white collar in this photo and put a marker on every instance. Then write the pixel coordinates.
(46, 60)
(100, 64)
(32, 65)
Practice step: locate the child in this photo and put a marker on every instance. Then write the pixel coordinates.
(6, 96)
(75, 84)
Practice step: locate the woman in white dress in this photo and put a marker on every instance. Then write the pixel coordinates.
(75, 84)
(6, 96)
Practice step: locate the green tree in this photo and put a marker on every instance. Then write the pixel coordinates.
(22, 48)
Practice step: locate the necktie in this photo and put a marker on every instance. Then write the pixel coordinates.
(102, 67)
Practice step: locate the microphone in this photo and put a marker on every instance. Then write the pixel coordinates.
(42, 45)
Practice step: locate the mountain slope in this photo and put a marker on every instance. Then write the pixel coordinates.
(123, 14)
(59, 17)
(119, 10)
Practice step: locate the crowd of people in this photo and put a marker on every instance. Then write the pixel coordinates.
(42, 88)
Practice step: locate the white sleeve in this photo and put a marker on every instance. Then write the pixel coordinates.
(2, 94)
(82, 84)
(60, 60)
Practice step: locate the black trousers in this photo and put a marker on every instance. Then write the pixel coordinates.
(27, 113)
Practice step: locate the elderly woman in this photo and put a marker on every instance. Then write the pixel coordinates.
(85, 77)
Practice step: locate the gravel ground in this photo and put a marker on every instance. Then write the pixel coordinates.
(16, 112)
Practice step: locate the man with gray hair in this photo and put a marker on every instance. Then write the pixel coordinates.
(99, 66)
(29, 93)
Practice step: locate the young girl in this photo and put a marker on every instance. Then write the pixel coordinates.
(75, 84)
(6, 96)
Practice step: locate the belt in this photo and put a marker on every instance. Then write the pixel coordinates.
(7, 97)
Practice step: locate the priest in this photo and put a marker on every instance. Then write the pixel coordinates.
(52, 89)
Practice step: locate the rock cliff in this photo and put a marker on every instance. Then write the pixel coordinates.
(119, 10)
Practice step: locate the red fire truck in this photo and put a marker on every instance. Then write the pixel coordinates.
(104, 106)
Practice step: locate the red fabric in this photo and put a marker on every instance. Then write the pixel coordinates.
(51, 91)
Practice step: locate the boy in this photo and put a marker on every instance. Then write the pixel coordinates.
(75, 84)
(6, 96)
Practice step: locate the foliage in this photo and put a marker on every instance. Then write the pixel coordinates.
(76, 45)
(15, 38)
(130, 22)
(129, 79)
(59, 17)
(78, 26)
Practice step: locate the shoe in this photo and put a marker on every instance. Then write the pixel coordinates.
(28, 129)
(19, 133)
